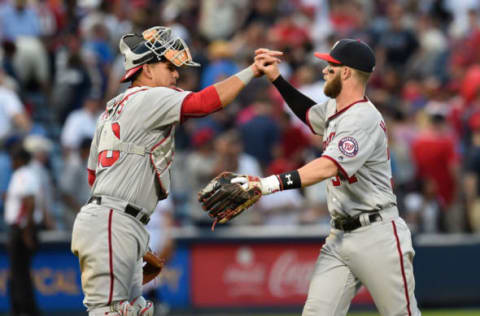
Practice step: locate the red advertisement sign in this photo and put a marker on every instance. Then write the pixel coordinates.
(263, 274)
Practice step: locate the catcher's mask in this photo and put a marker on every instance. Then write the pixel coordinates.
(155, 44)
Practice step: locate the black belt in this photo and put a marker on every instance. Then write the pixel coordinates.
(351, 223)
(129, 209)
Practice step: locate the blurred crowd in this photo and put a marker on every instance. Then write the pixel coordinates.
(60, 63)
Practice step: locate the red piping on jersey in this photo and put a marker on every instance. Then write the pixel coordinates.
(110, 256)
(405, 287)
(307, 119)
(91, 176)
(340, 168)
(116, 129)
(346, 108)
(198, 104)
(128, 95)
(157, 172)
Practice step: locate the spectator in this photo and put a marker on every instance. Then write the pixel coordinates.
(40, 147)
(471, 182)
(283, 209)
(228, 14)
(260, 133)
(73, 186)
(398, 42)
(19, 19)
(72, 82)
(423, 209)
(80, 124)
(201, 165)
(435, 158)
(221, 65)
(12, 113)
(20, 207)
(292, 143)
(229, 156)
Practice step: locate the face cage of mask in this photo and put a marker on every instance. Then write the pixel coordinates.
(175, 50)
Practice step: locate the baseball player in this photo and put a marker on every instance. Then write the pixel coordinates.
(129, 166)
(369, 243)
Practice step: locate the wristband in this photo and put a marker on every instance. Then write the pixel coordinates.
(290, 180)
(246, 75)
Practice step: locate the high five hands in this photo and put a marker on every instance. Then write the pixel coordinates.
(266, 61)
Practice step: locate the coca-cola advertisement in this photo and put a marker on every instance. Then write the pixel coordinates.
(265, 274)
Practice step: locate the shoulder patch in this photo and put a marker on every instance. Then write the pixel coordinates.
(348, 146)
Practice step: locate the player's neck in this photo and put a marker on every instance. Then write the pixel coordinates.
(348, 96)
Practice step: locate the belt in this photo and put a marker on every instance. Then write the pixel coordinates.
(129, 209)
(351, 223)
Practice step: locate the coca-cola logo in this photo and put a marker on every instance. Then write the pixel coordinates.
(244, 277)
(290, 276)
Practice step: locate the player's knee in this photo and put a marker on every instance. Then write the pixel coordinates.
(311, 308)
(323, 307)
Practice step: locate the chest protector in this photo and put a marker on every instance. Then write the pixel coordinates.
(160, 155)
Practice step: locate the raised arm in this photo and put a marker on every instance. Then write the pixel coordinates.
(297, 101)
(222, 93)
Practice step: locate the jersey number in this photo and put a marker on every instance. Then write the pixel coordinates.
(337, 181)
(108, 157)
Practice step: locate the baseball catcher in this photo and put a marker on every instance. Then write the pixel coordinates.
(135, 136)
(229, 194)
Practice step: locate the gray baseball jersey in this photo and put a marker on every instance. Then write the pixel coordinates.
(355, 138)
(133, 146)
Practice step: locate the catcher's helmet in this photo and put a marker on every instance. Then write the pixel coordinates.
(156, 43)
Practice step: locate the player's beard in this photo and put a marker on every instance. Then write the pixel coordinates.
(333, 88)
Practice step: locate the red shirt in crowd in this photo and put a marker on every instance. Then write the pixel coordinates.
(435, 157)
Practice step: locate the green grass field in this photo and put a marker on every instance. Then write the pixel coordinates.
(443, 312)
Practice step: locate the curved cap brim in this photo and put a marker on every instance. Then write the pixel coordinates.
(130, 73)
(328, 58)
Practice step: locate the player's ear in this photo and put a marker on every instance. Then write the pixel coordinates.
(346, 73)
(147, 70)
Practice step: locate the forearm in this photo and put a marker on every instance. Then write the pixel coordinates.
(229, 88)
(296, 101)
(213, 98)
(317, 171)
(311, 173)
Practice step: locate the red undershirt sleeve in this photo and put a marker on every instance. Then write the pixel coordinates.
(198, 104)
(91, 176)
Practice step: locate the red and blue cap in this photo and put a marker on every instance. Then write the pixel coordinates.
(352, 53)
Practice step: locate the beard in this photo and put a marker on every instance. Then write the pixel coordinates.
(333, 88)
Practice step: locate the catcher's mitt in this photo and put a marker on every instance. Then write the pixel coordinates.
(223, 200)
(152, 267)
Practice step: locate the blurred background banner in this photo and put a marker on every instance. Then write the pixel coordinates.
(256, 269)
(255, 274)
(56, 276)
